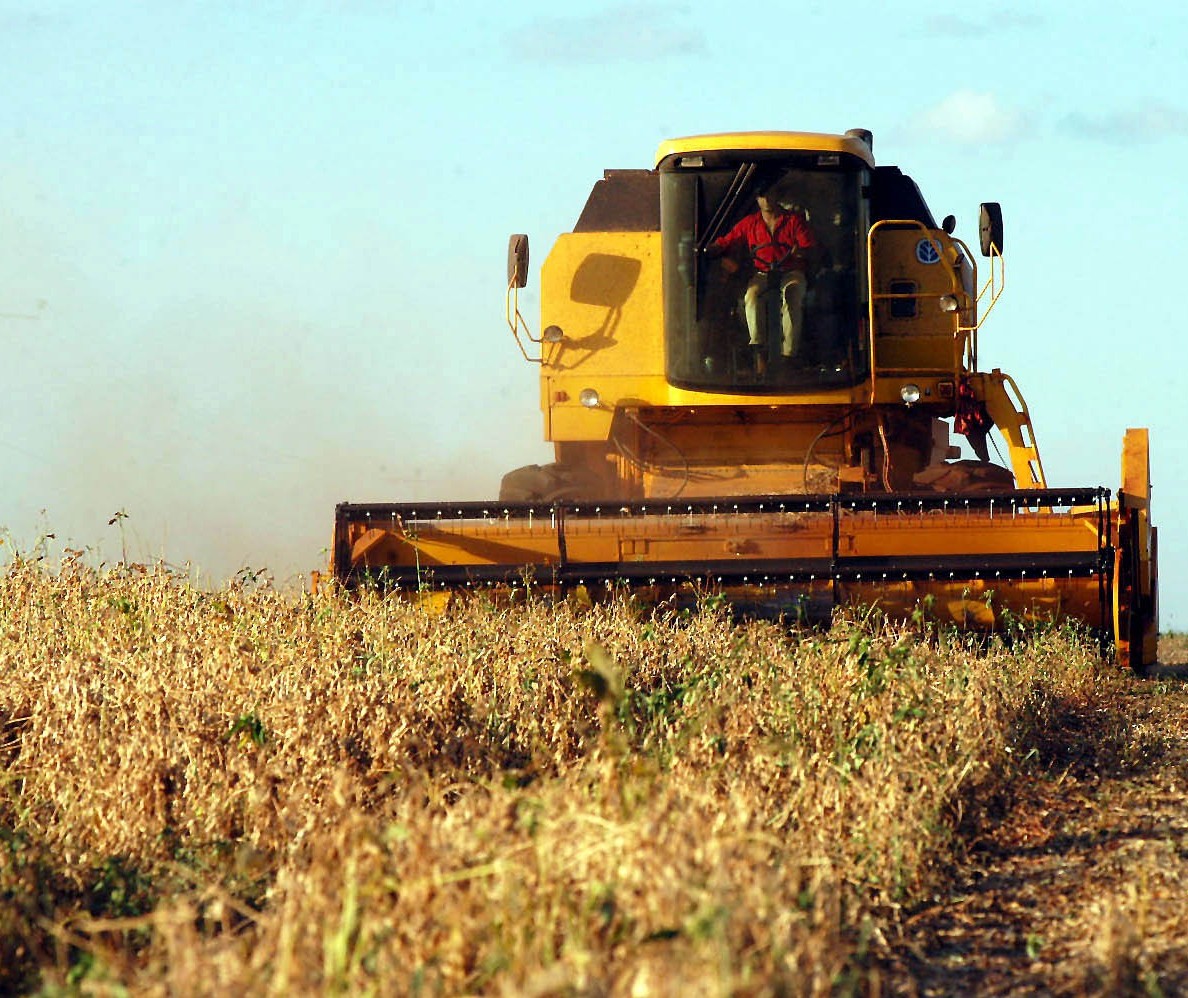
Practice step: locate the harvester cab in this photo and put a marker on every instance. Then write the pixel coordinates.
(764, 314)
(753, 358)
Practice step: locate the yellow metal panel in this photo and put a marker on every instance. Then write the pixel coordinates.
(1136, 468)
(883, 535)
(746, 141)
(604, 534)
(602, 289)
(570, 420)
(935, 390)
(1136, 581)
(929, 339)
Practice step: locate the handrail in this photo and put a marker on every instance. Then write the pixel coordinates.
(995, 288)
(969, 353)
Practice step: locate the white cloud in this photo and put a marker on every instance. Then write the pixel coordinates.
(638, 32)
(968, 118)
(1135, 124)
(975, 27)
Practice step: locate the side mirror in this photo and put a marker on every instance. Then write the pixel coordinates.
(517, 261)
(990, 227)
(949, 225)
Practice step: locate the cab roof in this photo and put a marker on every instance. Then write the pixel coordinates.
(765, 142)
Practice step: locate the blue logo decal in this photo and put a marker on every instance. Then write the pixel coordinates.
(927, 251)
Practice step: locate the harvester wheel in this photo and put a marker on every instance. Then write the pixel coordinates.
(544, 483)
(1135, 597)
(964, 476)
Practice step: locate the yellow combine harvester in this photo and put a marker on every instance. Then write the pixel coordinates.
(752, 357)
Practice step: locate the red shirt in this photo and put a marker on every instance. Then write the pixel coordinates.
(771, 250)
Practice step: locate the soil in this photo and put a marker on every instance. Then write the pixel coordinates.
(1081, 886)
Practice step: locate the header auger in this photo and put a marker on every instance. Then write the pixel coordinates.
(752, 358)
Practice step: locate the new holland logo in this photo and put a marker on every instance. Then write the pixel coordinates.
(927, 251)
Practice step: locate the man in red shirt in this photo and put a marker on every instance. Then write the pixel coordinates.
(777, 240)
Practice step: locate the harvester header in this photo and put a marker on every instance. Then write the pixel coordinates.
(757, 360)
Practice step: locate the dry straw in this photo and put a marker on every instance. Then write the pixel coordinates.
(257, 792)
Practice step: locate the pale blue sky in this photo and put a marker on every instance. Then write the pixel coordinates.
(252, 253)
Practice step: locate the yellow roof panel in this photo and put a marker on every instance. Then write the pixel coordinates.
(765, 142)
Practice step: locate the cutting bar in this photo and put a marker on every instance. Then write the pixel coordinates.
(1035, 551)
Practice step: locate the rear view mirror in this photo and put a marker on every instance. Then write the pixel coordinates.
(517, 261)
(990, 228)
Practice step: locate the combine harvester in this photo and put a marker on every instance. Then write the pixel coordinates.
(751, 360)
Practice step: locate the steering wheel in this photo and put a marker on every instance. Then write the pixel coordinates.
(767, 266)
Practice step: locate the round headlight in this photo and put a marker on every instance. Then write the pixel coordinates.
(589, 398)
(552, 334)
(910, 394)
(948, 303)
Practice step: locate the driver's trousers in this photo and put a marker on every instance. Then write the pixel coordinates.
(792, 287)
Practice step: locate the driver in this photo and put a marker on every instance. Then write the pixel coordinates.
(776, 239)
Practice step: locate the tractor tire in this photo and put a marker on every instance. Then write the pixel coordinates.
(965, 476)
(545, 483)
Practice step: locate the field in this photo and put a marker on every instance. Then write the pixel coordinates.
(250, 791)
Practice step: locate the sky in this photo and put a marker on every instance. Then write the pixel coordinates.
(252, 254)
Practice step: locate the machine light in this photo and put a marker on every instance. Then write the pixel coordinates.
(910, 394)
(552, 334)
(591, 400)
(948, 303)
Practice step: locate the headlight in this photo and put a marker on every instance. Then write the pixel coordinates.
(552, 334)
(910, 394)
(948, 303)
(590, 399)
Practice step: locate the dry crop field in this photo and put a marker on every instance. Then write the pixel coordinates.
(251, 791)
